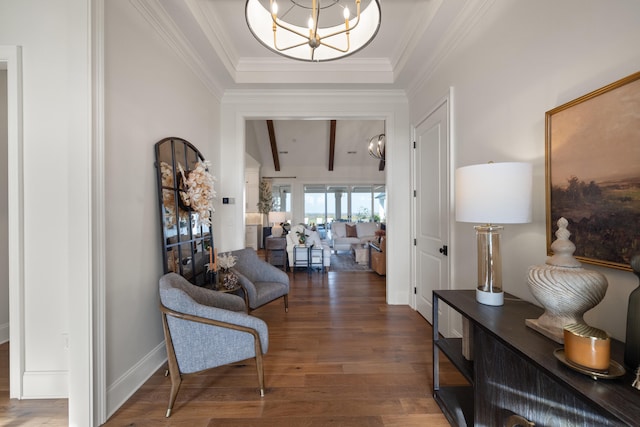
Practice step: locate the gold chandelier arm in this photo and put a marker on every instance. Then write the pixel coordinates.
(337, 48)
(276, 22)
(279, 49)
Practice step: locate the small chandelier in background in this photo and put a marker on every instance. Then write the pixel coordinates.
(313, 30)
(376, 146)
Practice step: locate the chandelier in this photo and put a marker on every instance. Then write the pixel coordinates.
(376, 146)
(313, 30)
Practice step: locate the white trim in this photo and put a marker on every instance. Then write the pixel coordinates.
(98, 261)
(162, 22)
(12, 55)
(45, 385)
(125, 386)
(464, 22)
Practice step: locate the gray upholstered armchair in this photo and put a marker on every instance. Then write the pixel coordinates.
(261, 281)
(204, 329)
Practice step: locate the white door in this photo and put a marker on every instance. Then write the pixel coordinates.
(431, 220)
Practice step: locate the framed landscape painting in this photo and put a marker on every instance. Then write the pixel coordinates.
(593, 173)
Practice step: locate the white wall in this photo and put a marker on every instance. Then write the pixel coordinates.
(150, 94)
(4, 231)
(522, 59)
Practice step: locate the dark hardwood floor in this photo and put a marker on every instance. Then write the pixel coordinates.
(340, 357)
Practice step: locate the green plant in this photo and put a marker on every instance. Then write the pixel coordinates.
(265, 198)
(302, 238)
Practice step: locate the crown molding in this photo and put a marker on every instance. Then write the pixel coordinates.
(160, 20)
(411, 42)
(275, 97)
(282, 70)
(471, 12)
(210, 25)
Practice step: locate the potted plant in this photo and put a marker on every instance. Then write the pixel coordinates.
(265, 199)
(302, 238)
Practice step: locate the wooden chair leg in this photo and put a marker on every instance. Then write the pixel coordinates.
(174, 370)
(260, 368)
(286, 303)
(176, 380)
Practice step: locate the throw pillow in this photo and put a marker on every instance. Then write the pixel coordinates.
(351, 231)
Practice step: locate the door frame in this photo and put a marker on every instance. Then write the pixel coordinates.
(448, 100)
(12, 56)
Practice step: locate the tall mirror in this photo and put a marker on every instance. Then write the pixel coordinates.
(185, 227)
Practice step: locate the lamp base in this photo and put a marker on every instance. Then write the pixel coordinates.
(490, 298)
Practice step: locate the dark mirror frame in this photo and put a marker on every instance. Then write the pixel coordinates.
(187, 245)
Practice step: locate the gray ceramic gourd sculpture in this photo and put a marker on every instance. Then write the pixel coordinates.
(563, 287)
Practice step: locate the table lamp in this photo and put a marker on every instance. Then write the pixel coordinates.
(490, 194)
(276, 218)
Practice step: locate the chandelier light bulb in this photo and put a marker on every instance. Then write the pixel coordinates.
(274, 7)
(345, 13)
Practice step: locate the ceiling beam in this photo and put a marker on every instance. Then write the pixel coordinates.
(274, 146)
(332, 144)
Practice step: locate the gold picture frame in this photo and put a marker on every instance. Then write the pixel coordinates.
(592, 164)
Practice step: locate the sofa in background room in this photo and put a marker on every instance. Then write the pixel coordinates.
(345, 234)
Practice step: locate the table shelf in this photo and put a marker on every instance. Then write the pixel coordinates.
(515, 373)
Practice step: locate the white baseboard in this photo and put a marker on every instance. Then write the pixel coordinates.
(45, 385)
(124, 387)
(4, 333)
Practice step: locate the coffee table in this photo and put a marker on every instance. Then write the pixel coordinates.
(360, 253)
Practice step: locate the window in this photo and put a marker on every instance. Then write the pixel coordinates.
(337, 203)
(357, 203)
(361, 204)
(281, 197)
(315, 204)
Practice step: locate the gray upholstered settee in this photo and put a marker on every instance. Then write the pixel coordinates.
(345, 234)
(204, 329)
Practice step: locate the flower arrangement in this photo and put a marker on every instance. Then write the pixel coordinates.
(228, 279)
(168, 201)
(197, 190)
(227, 261)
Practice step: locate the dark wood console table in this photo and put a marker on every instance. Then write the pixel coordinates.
(514, 374)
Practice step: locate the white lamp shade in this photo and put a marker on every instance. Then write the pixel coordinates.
(277, 217)
(494, 193)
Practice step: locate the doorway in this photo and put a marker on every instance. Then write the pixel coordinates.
(431, 207)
